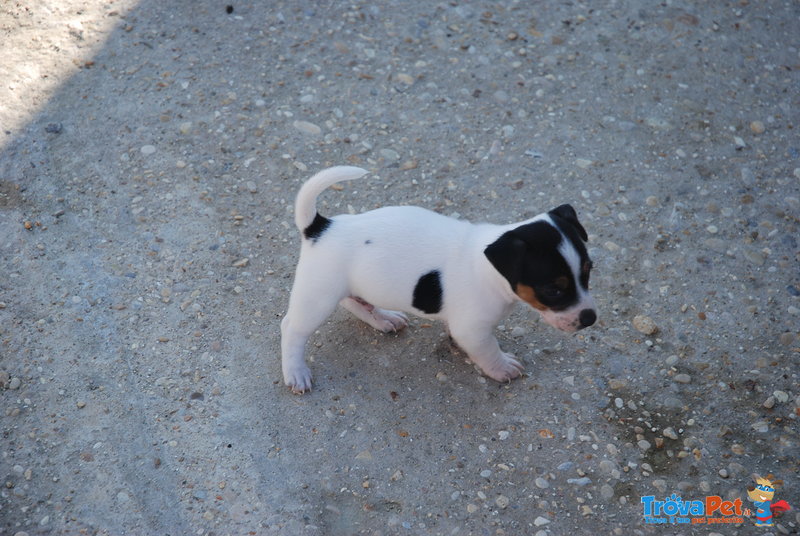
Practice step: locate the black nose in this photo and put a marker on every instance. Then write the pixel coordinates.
(587, 317)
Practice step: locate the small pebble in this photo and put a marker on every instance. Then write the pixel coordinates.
(307, 127)
(518, 331)
(472, 508)
(502, 502)
(757, 127)
(583, 481)
(14, 384)
(682, 378)
(606, 491)
(541, 483)
(781, 396)
(644, 444)
(390, 154)
(754, 256)
(652, 201)
(760, 426)
(405, 78)
(769, 403)
(81, 404)
(644, 324)
(147, 150)
(616, 384)
(607, 467)
(540, 521)
(723, 473)
(669, 432)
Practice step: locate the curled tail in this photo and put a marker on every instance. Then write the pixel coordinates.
(305, 207)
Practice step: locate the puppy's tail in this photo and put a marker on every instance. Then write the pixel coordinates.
(305, 207)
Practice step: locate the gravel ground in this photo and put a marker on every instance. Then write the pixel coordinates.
(149, 156)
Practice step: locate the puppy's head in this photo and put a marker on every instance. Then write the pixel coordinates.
(546, 263)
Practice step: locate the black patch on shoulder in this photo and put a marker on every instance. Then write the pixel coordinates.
(314, 231)
(428, 293)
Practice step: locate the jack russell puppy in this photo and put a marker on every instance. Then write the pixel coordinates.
(394, 259)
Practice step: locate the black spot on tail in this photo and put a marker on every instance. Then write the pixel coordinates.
(314, 231)
(428, 293)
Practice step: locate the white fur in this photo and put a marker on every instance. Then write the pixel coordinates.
(375, 280)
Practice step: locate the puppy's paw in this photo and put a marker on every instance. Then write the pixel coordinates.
(505, 369)
(298, 379)
(388, 321)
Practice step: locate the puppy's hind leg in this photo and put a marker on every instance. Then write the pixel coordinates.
(380, 319)
(308, 309)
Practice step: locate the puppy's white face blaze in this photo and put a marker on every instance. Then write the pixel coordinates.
(570, 319)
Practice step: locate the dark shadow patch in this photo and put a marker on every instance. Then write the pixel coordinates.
(314, 231)
(428, 293)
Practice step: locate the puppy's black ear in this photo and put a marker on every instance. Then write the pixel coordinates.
(506, 255)
(568, 214)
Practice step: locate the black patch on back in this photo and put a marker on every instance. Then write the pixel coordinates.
(428, 293)
(314, 231)
(528, 255)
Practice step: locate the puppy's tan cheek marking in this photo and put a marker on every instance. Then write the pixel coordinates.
(527, 294)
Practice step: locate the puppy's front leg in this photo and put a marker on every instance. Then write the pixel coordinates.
(482, 348)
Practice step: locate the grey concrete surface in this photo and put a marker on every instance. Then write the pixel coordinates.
(149, 157)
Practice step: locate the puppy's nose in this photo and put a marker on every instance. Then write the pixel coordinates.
(587, 317)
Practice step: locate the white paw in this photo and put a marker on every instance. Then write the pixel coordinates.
(387, 321)
(298, 379)
(505, 369)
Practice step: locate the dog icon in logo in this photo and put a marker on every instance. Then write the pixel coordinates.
(762, 494)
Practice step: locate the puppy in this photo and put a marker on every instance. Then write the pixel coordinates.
(394, 259)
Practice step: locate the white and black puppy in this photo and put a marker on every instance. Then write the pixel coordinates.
(394, 259)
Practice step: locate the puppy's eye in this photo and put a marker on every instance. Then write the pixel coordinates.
(550, 292)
